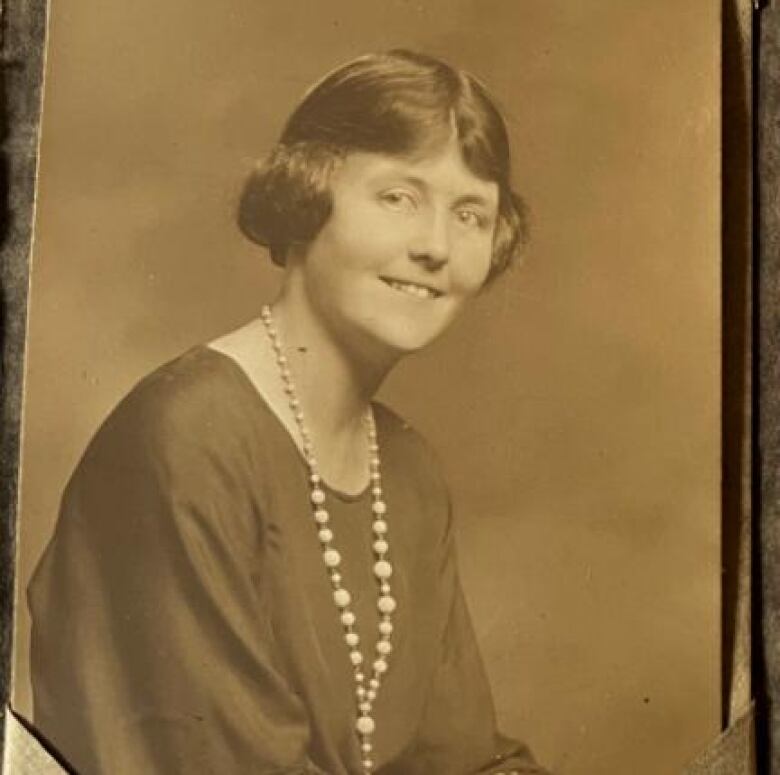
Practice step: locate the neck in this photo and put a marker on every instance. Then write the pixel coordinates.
(335, 380)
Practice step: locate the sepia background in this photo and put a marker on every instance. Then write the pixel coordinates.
(575, 407)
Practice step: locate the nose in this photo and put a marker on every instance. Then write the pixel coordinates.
(430, 246)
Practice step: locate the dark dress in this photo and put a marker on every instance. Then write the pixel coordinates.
(183, 619)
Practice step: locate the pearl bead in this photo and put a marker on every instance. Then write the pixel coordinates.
(331, 558)
(356, 657)
(383, 569)
(325, 535)
(386, 604)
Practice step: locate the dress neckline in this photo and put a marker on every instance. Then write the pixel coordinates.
(240, 372)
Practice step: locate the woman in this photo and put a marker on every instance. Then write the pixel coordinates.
(254, 568)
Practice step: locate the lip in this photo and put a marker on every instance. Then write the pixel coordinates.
(437, 292)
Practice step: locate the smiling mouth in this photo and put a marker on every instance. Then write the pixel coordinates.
(413, 289)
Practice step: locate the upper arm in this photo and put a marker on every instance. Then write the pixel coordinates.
(152, 644)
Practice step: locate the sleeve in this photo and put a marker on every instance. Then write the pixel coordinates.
(152, 645)
(458, 731)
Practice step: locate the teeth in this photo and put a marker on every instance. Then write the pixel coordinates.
(415, 290)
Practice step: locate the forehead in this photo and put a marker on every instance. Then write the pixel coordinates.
(442, 170)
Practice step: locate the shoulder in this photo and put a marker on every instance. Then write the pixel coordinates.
(411, 455)
(196, 397)
(177, 444)
(400, 432)
(184, 422)
(193, 392)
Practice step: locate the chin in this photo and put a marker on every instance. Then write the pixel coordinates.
(389, 331)
(405, 337)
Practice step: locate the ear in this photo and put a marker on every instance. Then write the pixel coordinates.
(511, 233)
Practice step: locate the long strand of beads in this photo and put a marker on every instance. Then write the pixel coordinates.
(366, 688)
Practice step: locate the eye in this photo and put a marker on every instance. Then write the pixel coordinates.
(399, 199)
(470, 218)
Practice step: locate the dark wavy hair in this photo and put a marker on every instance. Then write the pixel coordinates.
(398, 103)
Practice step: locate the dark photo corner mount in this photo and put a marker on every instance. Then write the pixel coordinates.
(22, 33)
(766, 383)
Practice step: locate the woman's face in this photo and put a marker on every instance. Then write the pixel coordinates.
(408, 242)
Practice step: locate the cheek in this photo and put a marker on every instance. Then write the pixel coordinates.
(471, 270)
(341, 261)
(361, 242)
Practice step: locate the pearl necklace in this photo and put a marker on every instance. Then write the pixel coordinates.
(366, 688)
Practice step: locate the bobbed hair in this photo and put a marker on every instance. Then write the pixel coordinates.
(399, 103)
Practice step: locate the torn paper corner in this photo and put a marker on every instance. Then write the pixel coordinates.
(23, 754)
(732, 752)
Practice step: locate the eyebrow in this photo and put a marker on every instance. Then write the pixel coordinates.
(476, 199)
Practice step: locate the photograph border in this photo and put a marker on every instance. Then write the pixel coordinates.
(751, 357)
